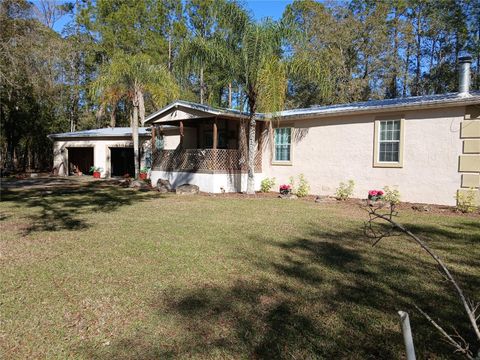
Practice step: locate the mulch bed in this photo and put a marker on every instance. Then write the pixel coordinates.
(421, 208)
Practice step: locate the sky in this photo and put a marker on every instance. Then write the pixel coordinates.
(267, 8)
(258, 8)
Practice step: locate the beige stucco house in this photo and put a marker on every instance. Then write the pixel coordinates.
(428, 147)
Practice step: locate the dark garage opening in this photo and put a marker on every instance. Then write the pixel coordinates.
(80, 159)
(121, 161)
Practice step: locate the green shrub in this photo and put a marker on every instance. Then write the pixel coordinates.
(345, 190)
(391, 196)
(291, 181)
(303, 186)
(466, 200)
(267, 184)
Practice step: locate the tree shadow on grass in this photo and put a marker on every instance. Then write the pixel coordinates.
(465, 233)
(63, 205)
(325, 295)
(458, 243)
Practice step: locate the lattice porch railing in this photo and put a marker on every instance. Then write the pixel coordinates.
(222, 160)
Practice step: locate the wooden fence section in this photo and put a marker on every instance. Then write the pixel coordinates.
(222, 160)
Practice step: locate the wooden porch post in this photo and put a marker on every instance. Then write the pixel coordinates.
(153, 138)
(215, 144)
(242, 144)
(215, 134)
(181, 134)
(261, 128)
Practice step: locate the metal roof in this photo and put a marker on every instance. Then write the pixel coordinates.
(386, 105)
(207, 110)
(372, 106)
(104, 132)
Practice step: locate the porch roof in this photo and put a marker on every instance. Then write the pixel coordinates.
(184, 110)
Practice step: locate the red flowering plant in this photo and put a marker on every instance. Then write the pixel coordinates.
(375, 195)
(285, 189)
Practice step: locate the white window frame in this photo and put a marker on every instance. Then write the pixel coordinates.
(376, 160)
(283, 162)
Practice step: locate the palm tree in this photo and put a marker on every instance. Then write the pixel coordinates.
(132, 76)
(263, 73)
(263, 76)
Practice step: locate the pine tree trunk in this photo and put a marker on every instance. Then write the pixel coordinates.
(229, 95)
(136, 158)
(201, 85)
(252, 149)
(112, 117)
(418, 68)
(170, 53)
(141, 114)
(407, 70)
(477, 82)
(393, 89)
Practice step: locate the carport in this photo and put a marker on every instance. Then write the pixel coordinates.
(121, 161)
(80, 159)
(110, 149)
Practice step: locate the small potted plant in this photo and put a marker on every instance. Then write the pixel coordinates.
(285, 189)
(144, 173)
(96, 172)
(374, 196)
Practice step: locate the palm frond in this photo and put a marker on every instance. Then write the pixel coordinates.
(124, 73)
(313, 68)
(272, 85)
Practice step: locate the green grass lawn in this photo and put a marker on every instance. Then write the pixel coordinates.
(95, 271)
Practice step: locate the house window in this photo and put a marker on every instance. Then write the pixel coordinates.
(283, 145)
(389, 143)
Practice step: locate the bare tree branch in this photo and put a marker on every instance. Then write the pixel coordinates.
(384, 214)
(464, 350)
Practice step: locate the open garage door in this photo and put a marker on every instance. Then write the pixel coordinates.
(121, 161)
(80, 159)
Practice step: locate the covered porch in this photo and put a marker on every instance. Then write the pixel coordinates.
(210, 140)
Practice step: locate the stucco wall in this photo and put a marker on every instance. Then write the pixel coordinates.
(211, 183)
(330, 150)
(101, 152)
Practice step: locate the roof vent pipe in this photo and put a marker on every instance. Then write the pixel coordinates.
(464, 74)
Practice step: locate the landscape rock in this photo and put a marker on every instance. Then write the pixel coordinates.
(138, 184)
(420, 208)
(124, 182)
(325, 199)
(187, 189)
(163, 186)
(288, 196)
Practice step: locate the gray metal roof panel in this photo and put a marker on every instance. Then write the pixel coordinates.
(379, 105)
(104, 132)
(385, 105)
